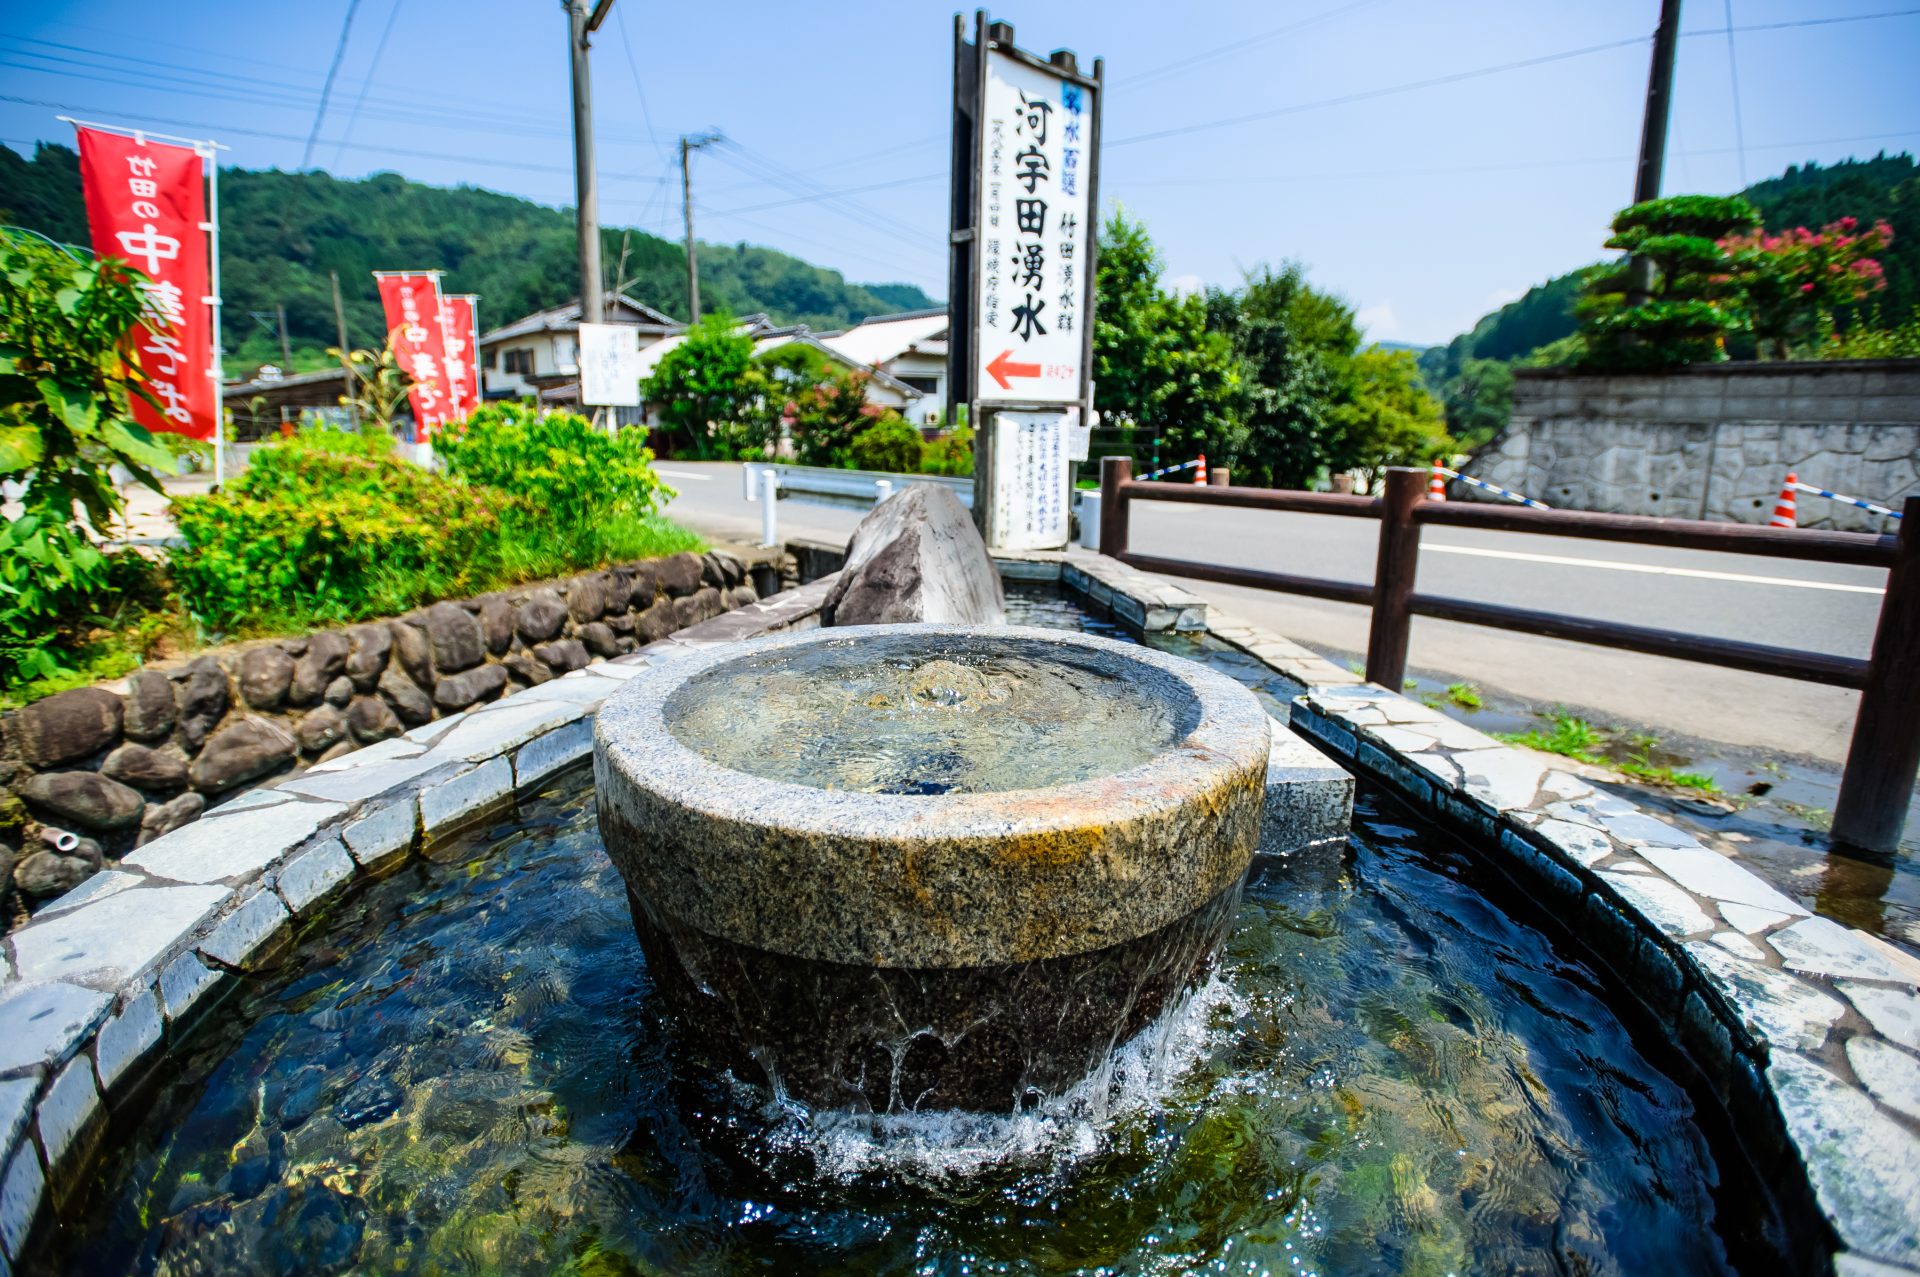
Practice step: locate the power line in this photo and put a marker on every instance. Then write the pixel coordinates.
(646, 116)
(846, 190)
(1241, 46)
(1733, 75)
(1804, 22)
(326, 89)
(379, 50)
(1388, 91)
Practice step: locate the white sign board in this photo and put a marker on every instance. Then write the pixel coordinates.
(609, 365)
(1030, 478)
(1033, 225)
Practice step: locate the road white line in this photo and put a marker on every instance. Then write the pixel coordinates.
(1616, 565)
(683, 474)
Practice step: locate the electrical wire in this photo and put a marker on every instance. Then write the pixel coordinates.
(1241, 46)
(379, 50)
(1733, 76)
(646, 116)
(326, 89)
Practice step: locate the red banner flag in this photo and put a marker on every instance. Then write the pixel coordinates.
(412, 302)
(147, 203)
(463, 344)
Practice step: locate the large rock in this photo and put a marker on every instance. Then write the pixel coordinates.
(265, 674)
(241, 752)
(600, 638)
(541, 614)
(324, 660)
(149, 708)
(87, 799)
(67, 727)
(916, 557)
(49, 873)
(202, 699)
(457, 691)
(587, 598)
(412, 705)
(412, 651)
(455, 635)
(496, 623)
(563, 656)
(147, 768)
(680, 573)
(643, 585)
(164, 818)
(320, 730)
(371, 719)
(368, 657)
(659, 621)
(528, 668)
(339, 692)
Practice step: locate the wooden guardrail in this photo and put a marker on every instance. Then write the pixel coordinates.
(1884, 755)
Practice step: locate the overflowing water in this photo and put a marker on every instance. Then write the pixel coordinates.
(465, 1068)
(913, 715)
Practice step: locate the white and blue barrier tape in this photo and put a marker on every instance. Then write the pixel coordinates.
(1856, 502)
(1494, 488)
(1184, 465)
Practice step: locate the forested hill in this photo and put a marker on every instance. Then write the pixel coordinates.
(1811, 195)
(280, 233)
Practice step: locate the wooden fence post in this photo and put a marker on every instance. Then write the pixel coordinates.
(1219, 477)
(1393, 573)
(1884, 757)
(1114, 471)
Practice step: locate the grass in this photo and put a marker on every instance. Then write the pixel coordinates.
(1574, 737)
(1465, 695)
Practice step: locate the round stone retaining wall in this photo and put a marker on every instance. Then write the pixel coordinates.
(90, 774)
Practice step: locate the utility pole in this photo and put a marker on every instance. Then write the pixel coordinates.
(580, 25)
(1653, 138)
(688, 145)
(286, 351)
(347, 388)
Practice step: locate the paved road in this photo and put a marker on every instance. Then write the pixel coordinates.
(1818, 607)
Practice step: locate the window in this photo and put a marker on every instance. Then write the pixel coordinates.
(925, 385)
(519, 361)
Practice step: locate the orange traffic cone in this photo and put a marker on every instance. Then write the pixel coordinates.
(1783, 508)
(1437, 486)
(1200, 471)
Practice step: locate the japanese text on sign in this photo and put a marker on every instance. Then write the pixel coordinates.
(1032, 225)
(415, 334)
(1030, 475)
(146, 203)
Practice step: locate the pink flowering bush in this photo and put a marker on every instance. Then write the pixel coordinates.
(1792, 282)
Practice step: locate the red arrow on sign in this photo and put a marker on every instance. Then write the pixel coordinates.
(1000, 370)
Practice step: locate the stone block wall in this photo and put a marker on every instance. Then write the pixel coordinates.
(88, 775)
(1714, 441)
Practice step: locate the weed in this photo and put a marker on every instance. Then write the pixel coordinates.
(1574, 737)
(1465, 695)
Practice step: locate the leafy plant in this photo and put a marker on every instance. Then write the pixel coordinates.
(888, 444)
(1465, 695)
(65, 385)
(1792, 283)
(952, 454)
(703, 388)
(827, 415)
(376, 387)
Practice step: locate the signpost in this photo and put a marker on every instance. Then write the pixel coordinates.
(1026, 137)
(610, 365)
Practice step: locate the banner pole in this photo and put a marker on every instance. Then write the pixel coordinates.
(213, 278)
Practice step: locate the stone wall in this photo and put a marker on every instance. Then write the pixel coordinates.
(102, 770)
(1714, 441)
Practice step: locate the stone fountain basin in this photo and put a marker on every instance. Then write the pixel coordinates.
(940, 880)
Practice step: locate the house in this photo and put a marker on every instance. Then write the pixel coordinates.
(263, 404)
(909, 348)
(884, 390)
(541, 351)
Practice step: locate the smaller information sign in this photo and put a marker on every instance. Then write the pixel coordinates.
(609, 365)
(1030, 476)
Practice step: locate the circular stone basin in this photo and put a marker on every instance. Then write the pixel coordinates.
(920, 865)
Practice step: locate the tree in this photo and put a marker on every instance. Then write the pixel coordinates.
(1692, 305)
(889, 444)
(1158, 367)
(1479, 401)
(1296, 346)
(1391, 419)
(702, 388)
(827, 414)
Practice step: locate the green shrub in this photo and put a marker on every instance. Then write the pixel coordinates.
(952, 455)
(316, 537)
(888, 444)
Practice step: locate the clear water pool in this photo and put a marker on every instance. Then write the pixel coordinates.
(465, 1069)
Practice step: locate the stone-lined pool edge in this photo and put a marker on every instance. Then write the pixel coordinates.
(1803, 1028)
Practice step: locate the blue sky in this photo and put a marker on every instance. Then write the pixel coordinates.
(1424, 207)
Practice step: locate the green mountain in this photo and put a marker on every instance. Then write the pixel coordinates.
(280, 233)
(1886, 186)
